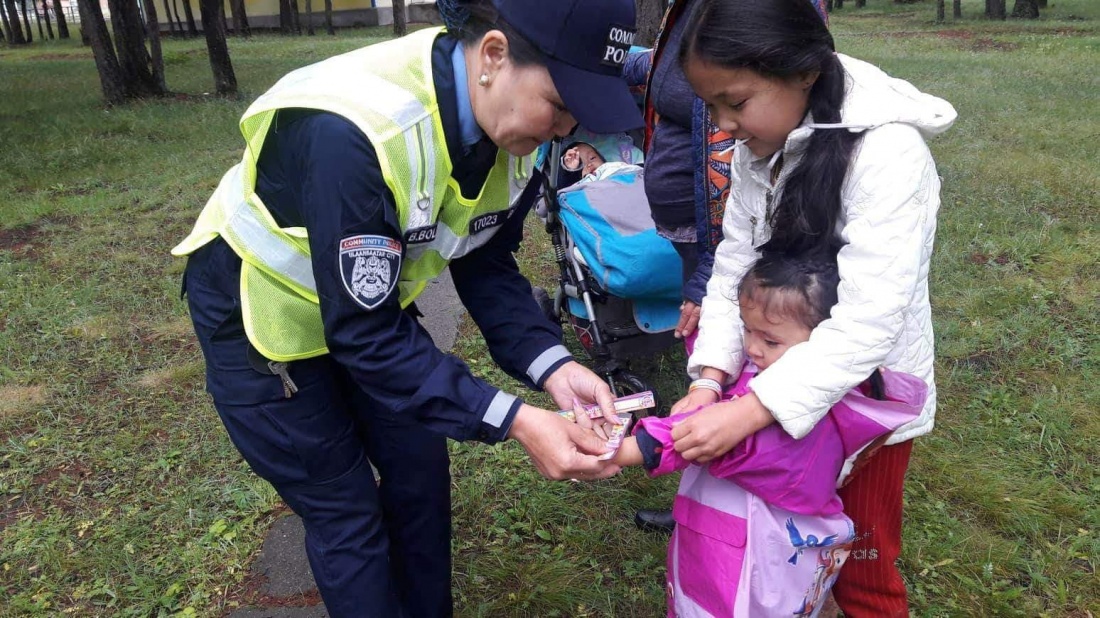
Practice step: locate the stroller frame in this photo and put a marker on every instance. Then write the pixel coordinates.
(610, 335)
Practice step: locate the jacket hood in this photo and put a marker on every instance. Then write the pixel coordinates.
(874, 99)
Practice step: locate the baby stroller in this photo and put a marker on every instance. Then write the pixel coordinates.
(619, 285)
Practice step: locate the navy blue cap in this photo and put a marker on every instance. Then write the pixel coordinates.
(586, 43)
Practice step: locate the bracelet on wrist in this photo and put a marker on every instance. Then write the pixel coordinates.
(706, 384)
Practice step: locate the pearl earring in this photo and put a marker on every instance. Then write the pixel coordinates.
(483, 80)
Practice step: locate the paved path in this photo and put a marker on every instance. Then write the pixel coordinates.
(286, 588)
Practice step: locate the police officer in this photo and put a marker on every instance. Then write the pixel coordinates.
(363, 177)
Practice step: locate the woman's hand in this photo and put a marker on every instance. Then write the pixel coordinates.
(695, 399)
(558, 448)
(573, 382)
(689, 320)
(713, 431)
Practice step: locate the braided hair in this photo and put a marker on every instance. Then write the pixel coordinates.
(786, 39)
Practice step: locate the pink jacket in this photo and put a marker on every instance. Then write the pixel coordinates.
(761, 530)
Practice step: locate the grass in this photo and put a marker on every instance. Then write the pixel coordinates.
(121, 495)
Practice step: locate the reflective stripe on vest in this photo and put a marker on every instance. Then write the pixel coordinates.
(386, 90)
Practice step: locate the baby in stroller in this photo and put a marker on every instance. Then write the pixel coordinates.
(619, 284)
(582, 158)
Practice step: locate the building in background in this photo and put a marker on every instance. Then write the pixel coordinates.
(345, 13)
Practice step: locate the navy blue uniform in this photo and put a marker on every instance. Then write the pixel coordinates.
(384, 394)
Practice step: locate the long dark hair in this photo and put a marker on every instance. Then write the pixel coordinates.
(786, 39)
(469, 20)
(799, 286)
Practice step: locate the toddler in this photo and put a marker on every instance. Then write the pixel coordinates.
(760, 530)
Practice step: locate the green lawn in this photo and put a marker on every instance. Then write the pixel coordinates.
(120, 493)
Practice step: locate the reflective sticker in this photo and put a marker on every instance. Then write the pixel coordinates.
(369, 267)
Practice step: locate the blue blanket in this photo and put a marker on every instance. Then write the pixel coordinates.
(610, 223)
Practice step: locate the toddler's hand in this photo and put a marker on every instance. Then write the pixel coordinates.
(695, 399)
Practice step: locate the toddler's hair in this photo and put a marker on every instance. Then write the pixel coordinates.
(798, 286)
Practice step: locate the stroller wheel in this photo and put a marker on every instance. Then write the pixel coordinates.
(546, 304)
(625, 383)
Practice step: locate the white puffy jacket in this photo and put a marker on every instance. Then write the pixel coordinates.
(889, 201)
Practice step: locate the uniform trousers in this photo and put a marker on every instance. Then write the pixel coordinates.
(870, 585)
(376, 549)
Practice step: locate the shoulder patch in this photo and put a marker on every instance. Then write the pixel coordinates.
(369, 268)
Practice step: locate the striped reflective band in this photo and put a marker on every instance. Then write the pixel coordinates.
(244, 227)
(498, 409)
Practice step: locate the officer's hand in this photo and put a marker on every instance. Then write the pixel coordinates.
(558, 448)
(573, 381)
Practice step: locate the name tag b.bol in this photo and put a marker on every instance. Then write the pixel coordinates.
(421, 235)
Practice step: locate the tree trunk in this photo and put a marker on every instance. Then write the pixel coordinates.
(1026, 9)
(85, 38)
(295, 16)
(328, 18)
(286, 22)
(133, 58)
(179, 22)
(941, 11)
(62, 24)
(650, 13)
(38, 20)
(110, 74)
(5, 25)
(828, 6)
(27, 23)
(46, 18)
(168, 16)
(192, 30)
(11, 18)
(862, 3)
(8, 37)
(995, 9)
(213, 25)
(1042, 4)
(240, 19)
(839, 4)
(400, 27)
(309, 17)
(957, 9)
(152, 30)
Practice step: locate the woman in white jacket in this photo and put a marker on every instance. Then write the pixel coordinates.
(827, 146)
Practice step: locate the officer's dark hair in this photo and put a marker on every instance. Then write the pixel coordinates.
(469, 20)
(786, 39)
(799, 286)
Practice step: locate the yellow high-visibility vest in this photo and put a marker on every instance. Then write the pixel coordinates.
(386, 90)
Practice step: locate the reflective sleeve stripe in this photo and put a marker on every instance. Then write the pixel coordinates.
(545, 361)
(498, 409)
